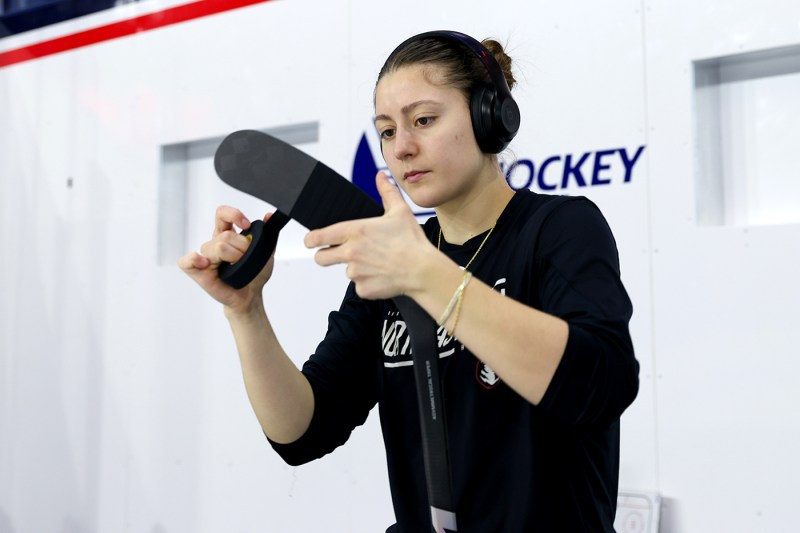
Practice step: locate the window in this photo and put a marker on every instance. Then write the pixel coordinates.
(747, 127)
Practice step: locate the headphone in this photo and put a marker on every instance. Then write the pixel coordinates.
(495, 114)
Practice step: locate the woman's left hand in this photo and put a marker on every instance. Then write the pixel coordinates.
(383, 254)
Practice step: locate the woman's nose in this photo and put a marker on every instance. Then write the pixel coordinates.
(404, 144)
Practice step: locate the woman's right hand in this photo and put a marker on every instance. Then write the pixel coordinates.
(226, 245)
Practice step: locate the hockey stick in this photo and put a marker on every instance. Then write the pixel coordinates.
(304, 189)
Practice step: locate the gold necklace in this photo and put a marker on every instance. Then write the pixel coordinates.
(439, 244)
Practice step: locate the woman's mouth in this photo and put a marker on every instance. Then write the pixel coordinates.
(414, 176)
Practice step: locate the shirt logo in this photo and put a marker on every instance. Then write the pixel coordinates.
(396, 342)
(486, 376)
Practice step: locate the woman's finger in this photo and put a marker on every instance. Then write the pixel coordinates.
(226, 217)
(220, 249)
(332, 235)
(193, 261)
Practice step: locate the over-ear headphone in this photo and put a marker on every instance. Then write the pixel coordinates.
(495, 114)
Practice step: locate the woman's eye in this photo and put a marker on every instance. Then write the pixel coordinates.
(424, 121)
(387, 134)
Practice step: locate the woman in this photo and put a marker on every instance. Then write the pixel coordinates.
(535, 355)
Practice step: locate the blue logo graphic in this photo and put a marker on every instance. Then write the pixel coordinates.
(570, 171)
(555, 174)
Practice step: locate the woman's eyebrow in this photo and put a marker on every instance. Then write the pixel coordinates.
(408, 108)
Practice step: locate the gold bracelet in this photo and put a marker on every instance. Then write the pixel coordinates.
(452, 331)
(455, 299)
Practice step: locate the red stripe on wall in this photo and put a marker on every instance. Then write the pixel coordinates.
(151, 21)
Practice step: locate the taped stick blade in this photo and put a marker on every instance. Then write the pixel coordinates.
(264, 167)
(291, 180)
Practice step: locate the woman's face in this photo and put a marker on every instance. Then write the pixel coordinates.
(427, 138)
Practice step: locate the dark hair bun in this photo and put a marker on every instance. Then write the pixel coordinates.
(503, 59)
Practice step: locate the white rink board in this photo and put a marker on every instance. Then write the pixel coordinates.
(121, 401)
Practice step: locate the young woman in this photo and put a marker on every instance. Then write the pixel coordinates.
(535, 355)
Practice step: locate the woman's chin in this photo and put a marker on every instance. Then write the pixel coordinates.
(424, 202)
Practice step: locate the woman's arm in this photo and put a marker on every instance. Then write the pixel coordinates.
(573, 357)
(522, 345)
(279, 393)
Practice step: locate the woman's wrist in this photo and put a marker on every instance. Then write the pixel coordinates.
(432, 272)
(252, 310)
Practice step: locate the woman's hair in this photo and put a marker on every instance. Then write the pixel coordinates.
(458, 67)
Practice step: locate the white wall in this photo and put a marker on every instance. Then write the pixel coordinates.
(121, 402)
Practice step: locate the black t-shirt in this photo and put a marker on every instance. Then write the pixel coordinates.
(516, 467)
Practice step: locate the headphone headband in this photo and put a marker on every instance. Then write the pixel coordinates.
(483, 54)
